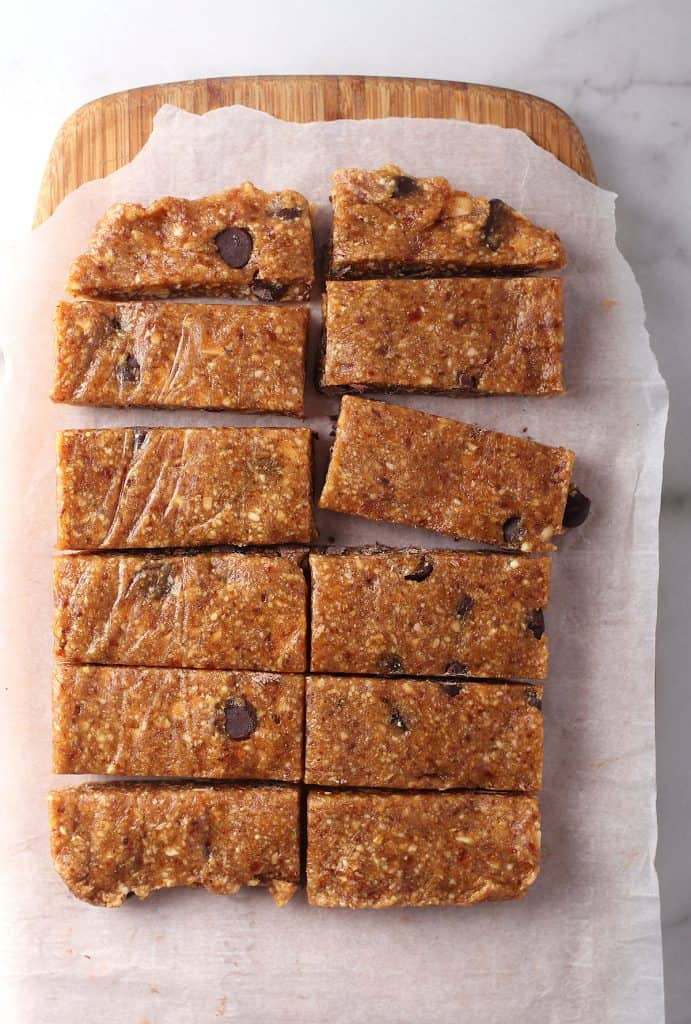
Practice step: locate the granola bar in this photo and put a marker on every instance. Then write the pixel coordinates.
(177, 722)
(423, 734)
(463, 336)
(220, 610)
(371, 849)
(405, 466)
(156, 488)
(389, 224)
(434, 613)
(111, 840)
(178, 355)
(241, 242)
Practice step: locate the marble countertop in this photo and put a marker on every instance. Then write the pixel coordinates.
(621, 70)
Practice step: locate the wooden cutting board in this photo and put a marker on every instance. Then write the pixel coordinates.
(106, 133)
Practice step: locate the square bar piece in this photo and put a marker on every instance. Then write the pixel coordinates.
(404, 466)
(111, 840)
(243, 243)
(465, 336)
(380, 850)
(435, 613)
(177, 723)
(389, 224)
(158, 488)
(423, 734)
(221, 610)
(175, 355)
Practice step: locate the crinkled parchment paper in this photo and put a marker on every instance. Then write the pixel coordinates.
(585, 944)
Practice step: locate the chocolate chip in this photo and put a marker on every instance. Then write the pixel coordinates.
(389, 663)
(467, 381)
(456, 668)
(234, 246)
(127, 372)
(514, 531)
(267, 291)
(420, 572)
(404, 186)
(464, 606)
(288, 213)
(139, 438)
(577, 508)
(536, 623)
(533, 699)
(239, 718)
(499, 226)
(396, 719)
(451, 689)
(115, 323)
(156, 580)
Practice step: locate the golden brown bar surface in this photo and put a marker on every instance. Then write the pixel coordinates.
(241, 242)
(177, 722)
(405, 466)
(219, 610)
(454, 336)
(433, 613)
(157, 488)
(389, 224)
(179, 355)
(380, 850)
(423, 734)
(111, 840)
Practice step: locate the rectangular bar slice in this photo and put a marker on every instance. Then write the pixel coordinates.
(405, 466)
(501, 336)
(389, 224)
(423, 734)
(157, 488)
(115, 839)
(379, 850)
(241, 242)
(177, 355)
(217, 610)
(177, 722)
(435, 613)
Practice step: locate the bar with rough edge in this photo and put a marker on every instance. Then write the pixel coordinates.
(387, 223)
(423, 734)
(220, 610)
(460, 336)
(403, 466)
(175, 723)
(157, 488)
(429, 613)
(242, 243)
(369, 849)
(175, 355)
(112, 840)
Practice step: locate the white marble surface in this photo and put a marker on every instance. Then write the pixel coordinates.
(622, 70)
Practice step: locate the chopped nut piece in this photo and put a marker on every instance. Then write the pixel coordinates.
(112, 840)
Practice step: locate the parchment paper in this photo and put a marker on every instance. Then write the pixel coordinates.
(585, 945)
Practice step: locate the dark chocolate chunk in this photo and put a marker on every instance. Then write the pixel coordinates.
(533, 699)
(467, 381)
(536, 623)
(404, 186)
(127, 372)
(397, 719)
(514, 531)
(465, 605)
(115, 323)
(234, 247)
(499, 226)
(267, 291)
(422, 570)
(239, 718)
(577, 508)
(389, 663)
(451, 689)
(156, 580)
(456, 668)
(288, 213)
